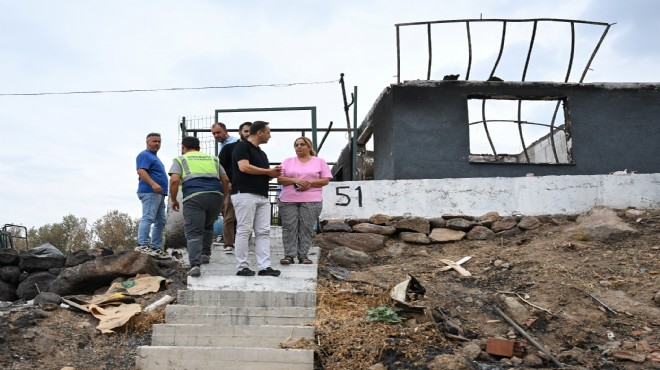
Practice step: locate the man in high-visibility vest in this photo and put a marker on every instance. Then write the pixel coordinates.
(203, 182)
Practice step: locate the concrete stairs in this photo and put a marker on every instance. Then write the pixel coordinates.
(224, 321)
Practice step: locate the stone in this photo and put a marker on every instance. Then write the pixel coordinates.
(354, 221)
(380, 219)
(97, 273)
(377, 366)
(634, 214)
(509, 233)
(417, 238)
(515, 310)
(529, 223)
(336, 226)
(460, 224)
(37, 282)
(471, 351)
(465, 217)
(347, 257)
(505, 223)
(447, 362)
(7, 292)
(394, 247)
(374, 229)
(601, 224)
(77, 258)
(364, 242)
(480, 233)
(418, 224)
(10, 274)
(437, 222)
(32, 263)
(490, 217)
(9, 257)
(656, 298)
(532, 360)
(516, 361)
(619, 301)
(446, 235)
(48, 301)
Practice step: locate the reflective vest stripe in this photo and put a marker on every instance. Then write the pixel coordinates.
(188, 174)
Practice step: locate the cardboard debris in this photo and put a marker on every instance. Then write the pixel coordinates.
(141, 284)
(115, 307)
(111, 317)
(407, 291)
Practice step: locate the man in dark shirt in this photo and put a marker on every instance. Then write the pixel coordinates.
(228, 213)
(251, 174)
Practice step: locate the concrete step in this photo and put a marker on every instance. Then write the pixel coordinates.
(299, 271)
(204, 358)
(282, 283)
(247, 298)
(216, 315)
(250, 336)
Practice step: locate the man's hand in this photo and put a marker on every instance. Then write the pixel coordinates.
(275, 172)
(157, 188)
(174, 205)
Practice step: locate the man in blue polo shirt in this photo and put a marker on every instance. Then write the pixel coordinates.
(152, 189)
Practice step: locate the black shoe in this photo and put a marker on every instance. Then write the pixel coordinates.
(195, 271)
(269, 272)
(247, 272)
(205, 258)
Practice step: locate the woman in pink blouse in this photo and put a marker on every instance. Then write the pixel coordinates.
(301, 199)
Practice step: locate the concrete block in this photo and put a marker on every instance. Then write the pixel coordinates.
(204, 358)
(217, 315)
(249, 336)
(246, 298)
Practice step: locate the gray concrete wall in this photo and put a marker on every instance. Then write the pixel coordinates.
(421, 129)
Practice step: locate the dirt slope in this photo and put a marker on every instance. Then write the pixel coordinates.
(543, 266)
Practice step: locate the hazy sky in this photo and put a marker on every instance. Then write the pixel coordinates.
(75, 154)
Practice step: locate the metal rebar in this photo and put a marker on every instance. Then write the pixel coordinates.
(603, 303)
(324, 137)
(398, 56)
(522, 139)
(602, 37)
(499, 55)
(469, 39)
(552, 132)
(428, 35)
(528, 337)
(504, 20)
(570, 60)
(529, 52)
(483, 116)
(346, 105)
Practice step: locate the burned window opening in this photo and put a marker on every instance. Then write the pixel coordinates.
(522, 130)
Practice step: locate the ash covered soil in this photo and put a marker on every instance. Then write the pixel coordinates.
(545, 267)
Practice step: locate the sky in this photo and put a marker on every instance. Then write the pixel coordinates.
(75, 154)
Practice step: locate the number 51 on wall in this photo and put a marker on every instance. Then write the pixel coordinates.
(344, 199)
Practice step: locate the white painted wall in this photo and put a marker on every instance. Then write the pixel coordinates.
(476, 196)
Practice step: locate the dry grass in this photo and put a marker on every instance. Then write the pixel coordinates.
(344, 336)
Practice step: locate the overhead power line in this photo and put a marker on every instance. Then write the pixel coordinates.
(169, 89)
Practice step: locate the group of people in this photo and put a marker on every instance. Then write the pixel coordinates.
(234, 184)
